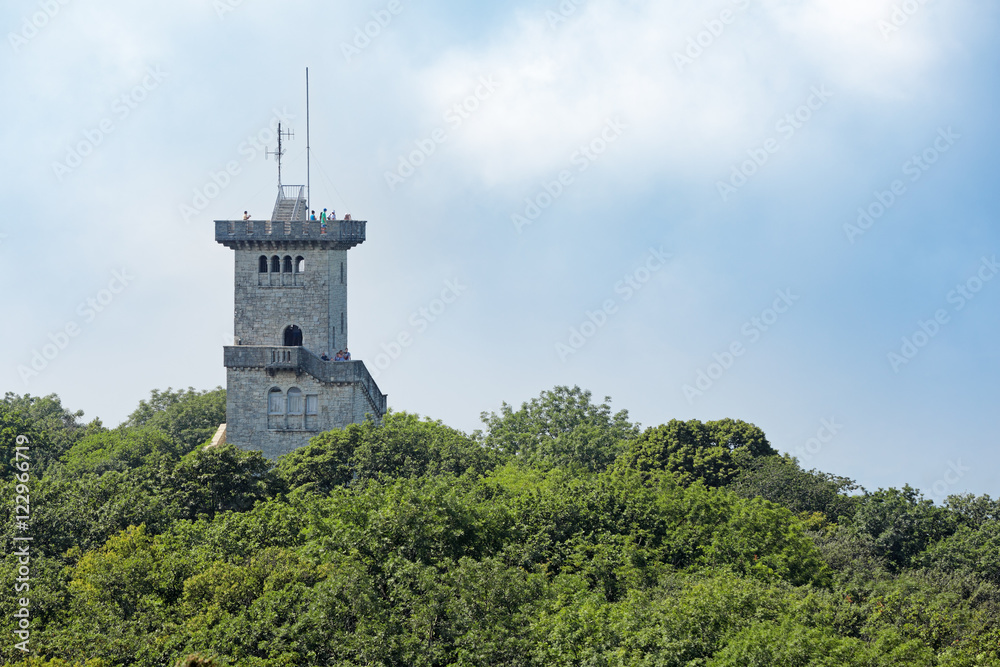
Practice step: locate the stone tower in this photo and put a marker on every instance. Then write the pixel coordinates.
(290, 309)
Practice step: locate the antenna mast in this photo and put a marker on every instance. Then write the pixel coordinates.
(308, 152)
(288, 134)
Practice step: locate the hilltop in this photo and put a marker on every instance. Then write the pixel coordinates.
(560, 534)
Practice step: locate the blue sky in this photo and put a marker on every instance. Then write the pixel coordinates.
(658, 202)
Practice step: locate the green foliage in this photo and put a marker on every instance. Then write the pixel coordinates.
(412, 543)
(46, 414)
(36, 661)
(219, 479)
(781, 480)
(969, 550)
(712, 452)
(120, 450)
(561, 427)
(188, 416)
(84, 510)
(196, 660)
(789, 644)
(402, 446)
(900, 524)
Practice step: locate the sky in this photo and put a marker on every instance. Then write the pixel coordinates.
(781, 212)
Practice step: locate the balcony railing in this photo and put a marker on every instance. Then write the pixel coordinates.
(300, 359)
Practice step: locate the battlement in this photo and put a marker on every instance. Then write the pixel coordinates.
(289, 234)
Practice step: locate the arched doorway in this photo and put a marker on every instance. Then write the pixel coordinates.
(293, 336)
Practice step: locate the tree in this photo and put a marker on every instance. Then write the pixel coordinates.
(781, 480)
(219, 479)
(561, 427)
(49, 428)
(901, 523)
(402, 446)
(712, 452)
(47, 414)
(120, 449)
(190, 417)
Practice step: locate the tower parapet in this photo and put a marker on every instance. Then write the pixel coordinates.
(293, 235)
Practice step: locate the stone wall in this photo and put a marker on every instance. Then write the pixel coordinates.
(247, 416)
(318, 305)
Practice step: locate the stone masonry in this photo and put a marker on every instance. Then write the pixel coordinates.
(290, 298)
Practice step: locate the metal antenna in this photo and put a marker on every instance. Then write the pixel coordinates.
(288, 134)
(308, 153)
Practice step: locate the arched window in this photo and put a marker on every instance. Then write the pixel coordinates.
(275, 409)
(293, 336)
(275, 264)
(262, 265)
(275, 404)
(295, 401)
(288, 264)
(300, 264)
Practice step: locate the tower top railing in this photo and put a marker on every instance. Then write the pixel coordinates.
(291, 203)
(337, 234)
(292, 192)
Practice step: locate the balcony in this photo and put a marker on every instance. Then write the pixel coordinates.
(301, 360)
(290, 234)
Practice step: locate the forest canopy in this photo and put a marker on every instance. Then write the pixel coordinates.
(561, 534)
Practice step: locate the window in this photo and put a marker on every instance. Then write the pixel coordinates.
(275, 264)
(262, 265)
(275, 404)
(275, 409)
(294, 401)
(312, 412)
(288, 265)
(300, 264)
(341, 273)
